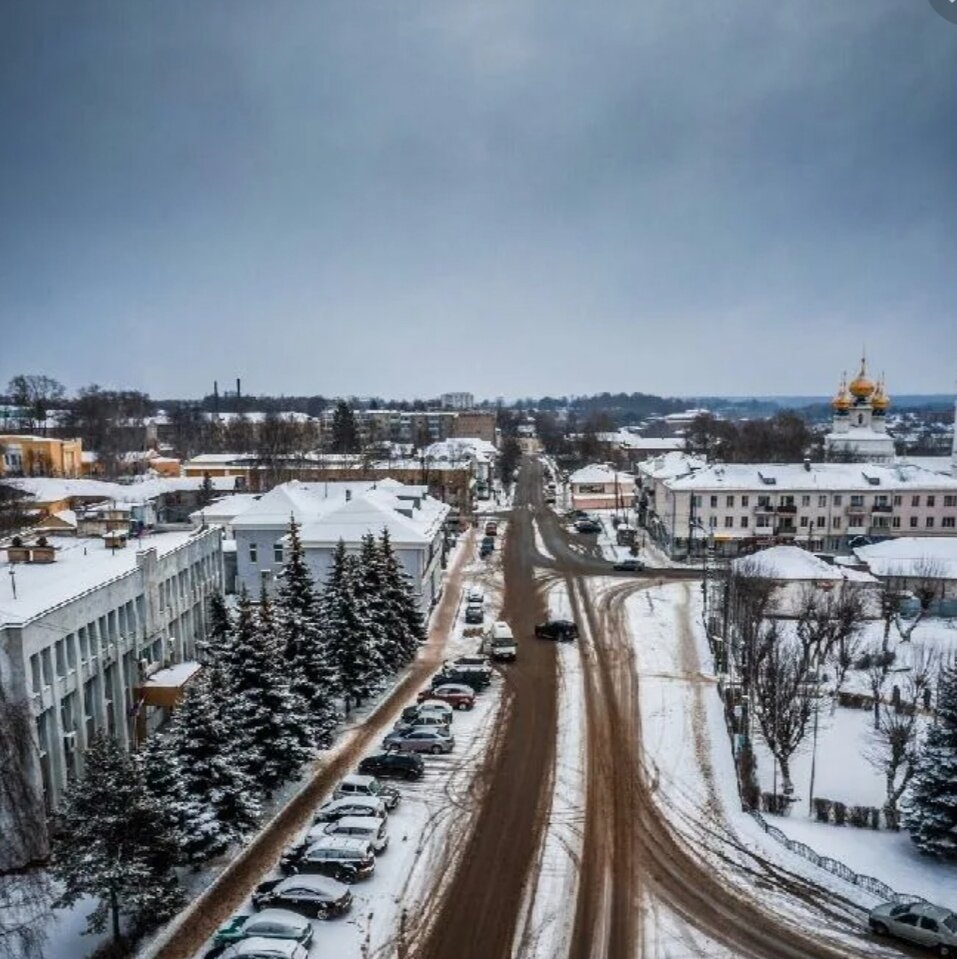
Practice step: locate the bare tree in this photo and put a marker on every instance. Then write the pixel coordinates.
(750, 600)
(37, 393)
(877, 660)
(782, 698)
(926, 588)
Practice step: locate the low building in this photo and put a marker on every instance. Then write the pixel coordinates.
(40, 456)
(475, 423)
(328, 512)
(83, 629)
(601, 487)
(824, 507)
(913, 559)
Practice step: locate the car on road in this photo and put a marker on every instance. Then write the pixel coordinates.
(486, 549)
(588, 526)
(352, 786)
(339, 857)
(369, 828)
(919, 922)
(352, 806)
(262, 947)
(473, 678)
(491, 528)
(268, 924)
(455, 694)
(420, 740)
(629, 566)
(393, 766)
(474, 615)
(561, 630)
(317, 896)
(503, 650)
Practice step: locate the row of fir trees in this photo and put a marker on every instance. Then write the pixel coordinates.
(272, 691)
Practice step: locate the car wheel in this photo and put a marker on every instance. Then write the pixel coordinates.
(944, 950)
(880, 928)
(322, 912)
(435, 750)
(411, 776)
(461, 705)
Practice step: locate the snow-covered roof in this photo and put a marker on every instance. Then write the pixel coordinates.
(81, 564)
(670, 465)
(222, 511)
(795, 563)
(912, 556)
(936, 464)
(48, 489)
(598, 473)
(631, 441)
(866, 477)
(174, 676)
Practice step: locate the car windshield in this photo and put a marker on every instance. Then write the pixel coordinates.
(950, 923)
(899, 910)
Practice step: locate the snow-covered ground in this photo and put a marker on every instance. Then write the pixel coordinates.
(547, 927)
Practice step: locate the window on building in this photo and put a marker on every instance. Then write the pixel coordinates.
(915, 501)
(822, 502)
(728, 522)
(60, 652)
(253, 554)
(763, 521)
(70, 652)
(949, 522)
(805, 500)
(696, 501)
(838, 499)
(950, 501)
(745, 500)
(712, 521)
(913, 522)
(929, 523)
(836, 522)
(714, 501)
(821, 521)
(931, 500)
(787, 500)
(897, 500)
(744, 522)
(857, 499)
(729, 502)
(804, 521)
(35, 673)
(83, 636)
(896, 522)
(277, 553)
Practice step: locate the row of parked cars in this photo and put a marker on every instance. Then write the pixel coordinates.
(350, 830)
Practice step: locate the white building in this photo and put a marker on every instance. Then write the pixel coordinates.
(91, 621)
(859, 431)
(600, 487)
(328, 512)
(457, 401)
(824, 507)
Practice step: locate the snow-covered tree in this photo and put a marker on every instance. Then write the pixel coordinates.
(219, 628)
(930, 813)
(385, 631)
(217, 799)
(260, 701)
(350, 643)
(400, 599)
(159, 767)
(296, 623)
(113, 843)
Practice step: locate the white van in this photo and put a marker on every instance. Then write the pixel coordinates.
(501, 630)
(501, 643)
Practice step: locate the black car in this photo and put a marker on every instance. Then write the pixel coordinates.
(474, 615)
(629, 566)
(486, 550)
(488, 542)
(308, 895)
(346, 860)
(561, 630)
(474, 678)
(588, 526)
(393, 766)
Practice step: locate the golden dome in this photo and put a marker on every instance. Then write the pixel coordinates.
(880, 400)
(842, 401)
(861, 386)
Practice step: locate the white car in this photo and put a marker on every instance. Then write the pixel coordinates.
(918, 922)
(351, 806)
(436, 706)
(258, 947)
(474, 597)
(369, 828)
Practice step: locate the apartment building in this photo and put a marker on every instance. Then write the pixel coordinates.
(22, 455)
(94, 632)
(824, 507)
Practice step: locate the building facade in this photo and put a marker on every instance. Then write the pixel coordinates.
(600, 487)
(87, 631)
(40, 456)
(457, 401)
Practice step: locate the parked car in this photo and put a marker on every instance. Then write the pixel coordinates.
(434, 706)
(629, 566)
(420, 740)
(475, 595)
(503, 650)
(369, 828)
(260, 947)
(426, 720)
(351, 806)
(309, 895)
(472, 662)
(455, 694)
(268, 924)
(340, 857)
(464, 677)
(588, 526)
(488, 541)
(393, 766)
(491, 528)
(562, 630)
(486, 549)
(352, 786)
(918, 922)
(501, 630)
(443, 729)
(417, 715)
(474, 615)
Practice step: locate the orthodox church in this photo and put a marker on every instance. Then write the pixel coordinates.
(860, 428)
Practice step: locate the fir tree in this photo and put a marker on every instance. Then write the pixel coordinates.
(207, 492)
(349, 640)
(930, 814)
(113, 843)
(217, 802)
(219, 629)
(313, 679)
(261, 703)
(385, 635)
(159, 767)
(401, 600)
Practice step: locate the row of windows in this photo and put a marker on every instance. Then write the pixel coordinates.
(764, 522)
(854, 499)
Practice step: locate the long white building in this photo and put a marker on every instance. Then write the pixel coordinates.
(97, 634)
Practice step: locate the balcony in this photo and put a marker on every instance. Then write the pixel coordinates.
(764, 508)
(787, 508)
(882, 508)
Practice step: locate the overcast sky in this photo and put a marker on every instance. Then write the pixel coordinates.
(517, 197)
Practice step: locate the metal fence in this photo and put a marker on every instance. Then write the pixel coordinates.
(834, 866)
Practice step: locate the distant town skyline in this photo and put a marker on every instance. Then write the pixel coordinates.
(514, 198)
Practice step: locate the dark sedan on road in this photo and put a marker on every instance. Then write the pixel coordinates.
(588, 526)
(560, 630)
(312, 895)
(629, 566)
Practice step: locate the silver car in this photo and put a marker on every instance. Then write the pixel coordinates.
(420, 740)
(258, 947)
(919, 922)
(351, 806)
